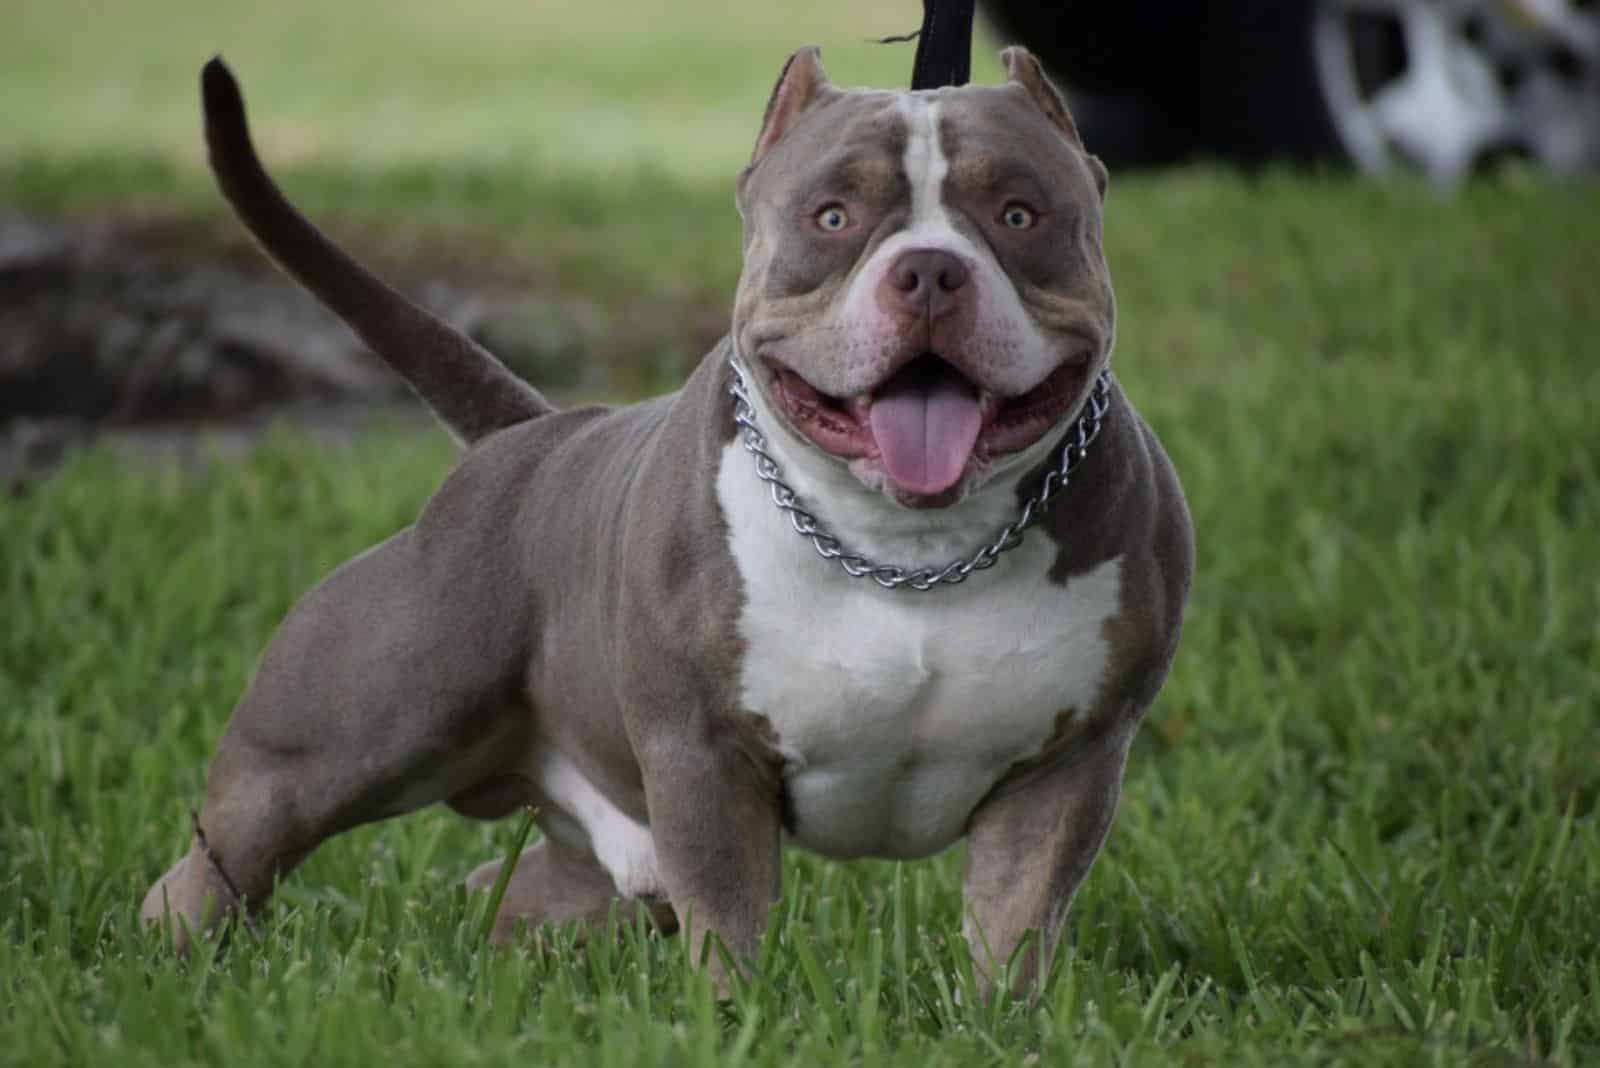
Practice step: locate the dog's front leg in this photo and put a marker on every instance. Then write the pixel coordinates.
(714, 816)
(1030, 844)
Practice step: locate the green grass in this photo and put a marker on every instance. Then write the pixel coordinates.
(1359, 827)
(540, 84)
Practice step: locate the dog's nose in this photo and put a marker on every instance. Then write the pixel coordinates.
(927, 281)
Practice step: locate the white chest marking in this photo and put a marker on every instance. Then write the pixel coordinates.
(897, 711)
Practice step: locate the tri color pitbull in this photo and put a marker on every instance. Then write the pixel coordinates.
(621, 616)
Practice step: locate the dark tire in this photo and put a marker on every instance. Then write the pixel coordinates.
(1155, 82)
(1104, 48)
(1258, 83)
(1134, 129)
(1129, 70)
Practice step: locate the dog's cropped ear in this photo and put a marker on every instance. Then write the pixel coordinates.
(1024, 69)
(802, 84)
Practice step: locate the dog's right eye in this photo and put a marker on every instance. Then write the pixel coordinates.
(832, 218)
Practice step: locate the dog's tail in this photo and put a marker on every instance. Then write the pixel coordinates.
(469, 390)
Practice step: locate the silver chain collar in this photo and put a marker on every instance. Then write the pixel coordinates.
(894, 576)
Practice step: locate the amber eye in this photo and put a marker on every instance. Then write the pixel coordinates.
(1018, 216)
(832, 219)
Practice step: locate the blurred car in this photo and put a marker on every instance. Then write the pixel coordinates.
(1437, 85)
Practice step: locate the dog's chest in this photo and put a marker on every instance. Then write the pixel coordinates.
(897, 711)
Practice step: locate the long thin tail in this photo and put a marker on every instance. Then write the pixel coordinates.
(469, 390)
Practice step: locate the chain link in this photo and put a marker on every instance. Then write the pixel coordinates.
(894, 576)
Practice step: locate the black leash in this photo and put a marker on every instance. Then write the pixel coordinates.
(944, 44)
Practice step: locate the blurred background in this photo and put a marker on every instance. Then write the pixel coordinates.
(1444, 87)
(556, 177)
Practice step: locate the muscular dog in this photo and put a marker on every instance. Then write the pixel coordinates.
(689, 629)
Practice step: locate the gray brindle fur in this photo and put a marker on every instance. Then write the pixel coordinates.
(601, 614)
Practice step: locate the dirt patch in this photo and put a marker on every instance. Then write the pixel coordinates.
(115, 327)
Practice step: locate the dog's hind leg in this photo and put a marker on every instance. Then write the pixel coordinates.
(554, 884)
(392, 685)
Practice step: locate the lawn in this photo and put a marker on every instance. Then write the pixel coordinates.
(1359, 826)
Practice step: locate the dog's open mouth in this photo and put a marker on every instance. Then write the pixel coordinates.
(927, 422)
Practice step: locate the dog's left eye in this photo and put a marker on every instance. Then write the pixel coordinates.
(1018, 216)
(832, 218)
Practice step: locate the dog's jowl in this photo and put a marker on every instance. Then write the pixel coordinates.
(690, 629)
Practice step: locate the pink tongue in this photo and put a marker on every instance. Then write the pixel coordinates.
(925, 421)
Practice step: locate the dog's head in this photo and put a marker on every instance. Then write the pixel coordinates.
(924, 296)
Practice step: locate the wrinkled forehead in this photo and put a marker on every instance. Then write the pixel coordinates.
(854, 142)
(873, 141)
(992, 134)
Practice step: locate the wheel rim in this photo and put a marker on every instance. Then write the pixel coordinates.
(1442, 85)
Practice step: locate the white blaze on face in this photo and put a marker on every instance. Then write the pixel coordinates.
(1014, 354)
(925, 428)
(926, 167)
